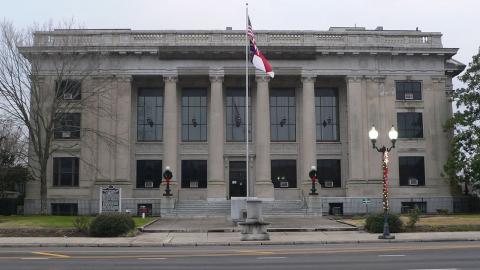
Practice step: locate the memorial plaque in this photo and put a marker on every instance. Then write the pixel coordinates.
(110, 200)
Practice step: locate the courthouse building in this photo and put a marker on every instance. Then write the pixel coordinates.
(177, 99)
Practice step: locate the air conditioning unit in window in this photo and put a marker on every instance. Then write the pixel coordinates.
(66, 134)
(329, 184)
(149, 184)
(193, 184)
(412, 181)
(67, 96)
(284, 184)
(408, 96)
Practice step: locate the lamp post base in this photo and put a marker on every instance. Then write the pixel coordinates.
(386, 236)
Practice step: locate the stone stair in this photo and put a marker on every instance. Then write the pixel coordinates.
(284, 208)
(202, 208)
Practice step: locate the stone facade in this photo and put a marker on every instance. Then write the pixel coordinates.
(362, 65)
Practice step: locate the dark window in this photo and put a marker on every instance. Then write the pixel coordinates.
(194, 114)
(194, 174)
(67, 126)
(69, 89)
(149, 173)
(64, 209)
(65, 172)
(284, 173)
(410, 125)
(235, 116)
(144, 208)
(326, 114)
(150, 114)
(408, 90)
(408, 206)
(282, 115)
(335, 209)
(329, 173)
(411, 171)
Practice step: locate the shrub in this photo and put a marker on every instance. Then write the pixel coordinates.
(374, 223)
(81, 223)
(413, 217)
(442, 211)
(111, 224)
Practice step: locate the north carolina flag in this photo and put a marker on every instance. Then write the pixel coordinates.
(257, 58)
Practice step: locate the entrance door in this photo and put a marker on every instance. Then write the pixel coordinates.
(238, 179)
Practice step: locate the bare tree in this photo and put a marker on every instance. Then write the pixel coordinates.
(13, 170)
(40, 90)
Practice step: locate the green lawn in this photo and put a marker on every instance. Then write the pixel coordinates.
(50, 221)
(436, 220)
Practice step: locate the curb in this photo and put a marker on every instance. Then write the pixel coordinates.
(229, 230)
(236, 243)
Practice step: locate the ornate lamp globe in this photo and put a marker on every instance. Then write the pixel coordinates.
(393, 134)
(373, 134)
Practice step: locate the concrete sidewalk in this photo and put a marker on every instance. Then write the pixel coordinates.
(223, 224)
(233, 238)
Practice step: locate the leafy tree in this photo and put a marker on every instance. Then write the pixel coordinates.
(463, 163)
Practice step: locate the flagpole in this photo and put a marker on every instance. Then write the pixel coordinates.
(246, 96)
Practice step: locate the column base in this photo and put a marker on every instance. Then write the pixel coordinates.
(216, 191)
(264, 190)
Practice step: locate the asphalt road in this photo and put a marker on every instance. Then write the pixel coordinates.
(391, 256)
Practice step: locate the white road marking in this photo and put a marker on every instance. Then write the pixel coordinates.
(270, 258)
(436, 269)
(151, 258)
(392, 255)
(34, 258)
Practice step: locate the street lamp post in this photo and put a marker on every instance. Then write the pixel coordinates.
(313, 176)
(167, 174)
(393, 135)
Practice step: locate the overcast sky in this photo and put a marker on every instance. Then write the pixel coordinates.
(458, 20)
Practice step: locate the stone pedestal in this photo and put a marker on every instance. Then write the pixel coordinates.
(167, 204)
(254, 228)
(238, 208)
(314, 204)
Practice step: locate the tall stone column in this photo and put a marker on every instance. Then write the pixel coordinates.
(358, 140)
(123, 124)
(123, 129)
(170, 129)
(216, 179)
(263, 183)
(309, 140)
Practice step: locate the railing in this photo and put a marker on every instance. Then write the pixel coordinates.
(235, 38)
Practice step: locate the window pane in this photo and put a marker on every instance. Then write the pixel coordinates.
(149, 173)
(66, 171)
(194, 114)
(410, 125)
(284, 173)
(326, 112)
(329, 172)
(194, 174)
(235, 114)
(408, 90)
(411, 171)
(282, 115)
(149, 114)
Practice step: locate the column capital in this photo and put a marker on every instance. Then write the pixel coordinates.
(216, 78)
(308, 78)
(123, 78)
(357, 78)
(170, 78)
(262, 78)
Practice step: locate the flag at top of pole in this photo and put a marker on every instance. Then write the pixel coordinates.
(257, 58)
